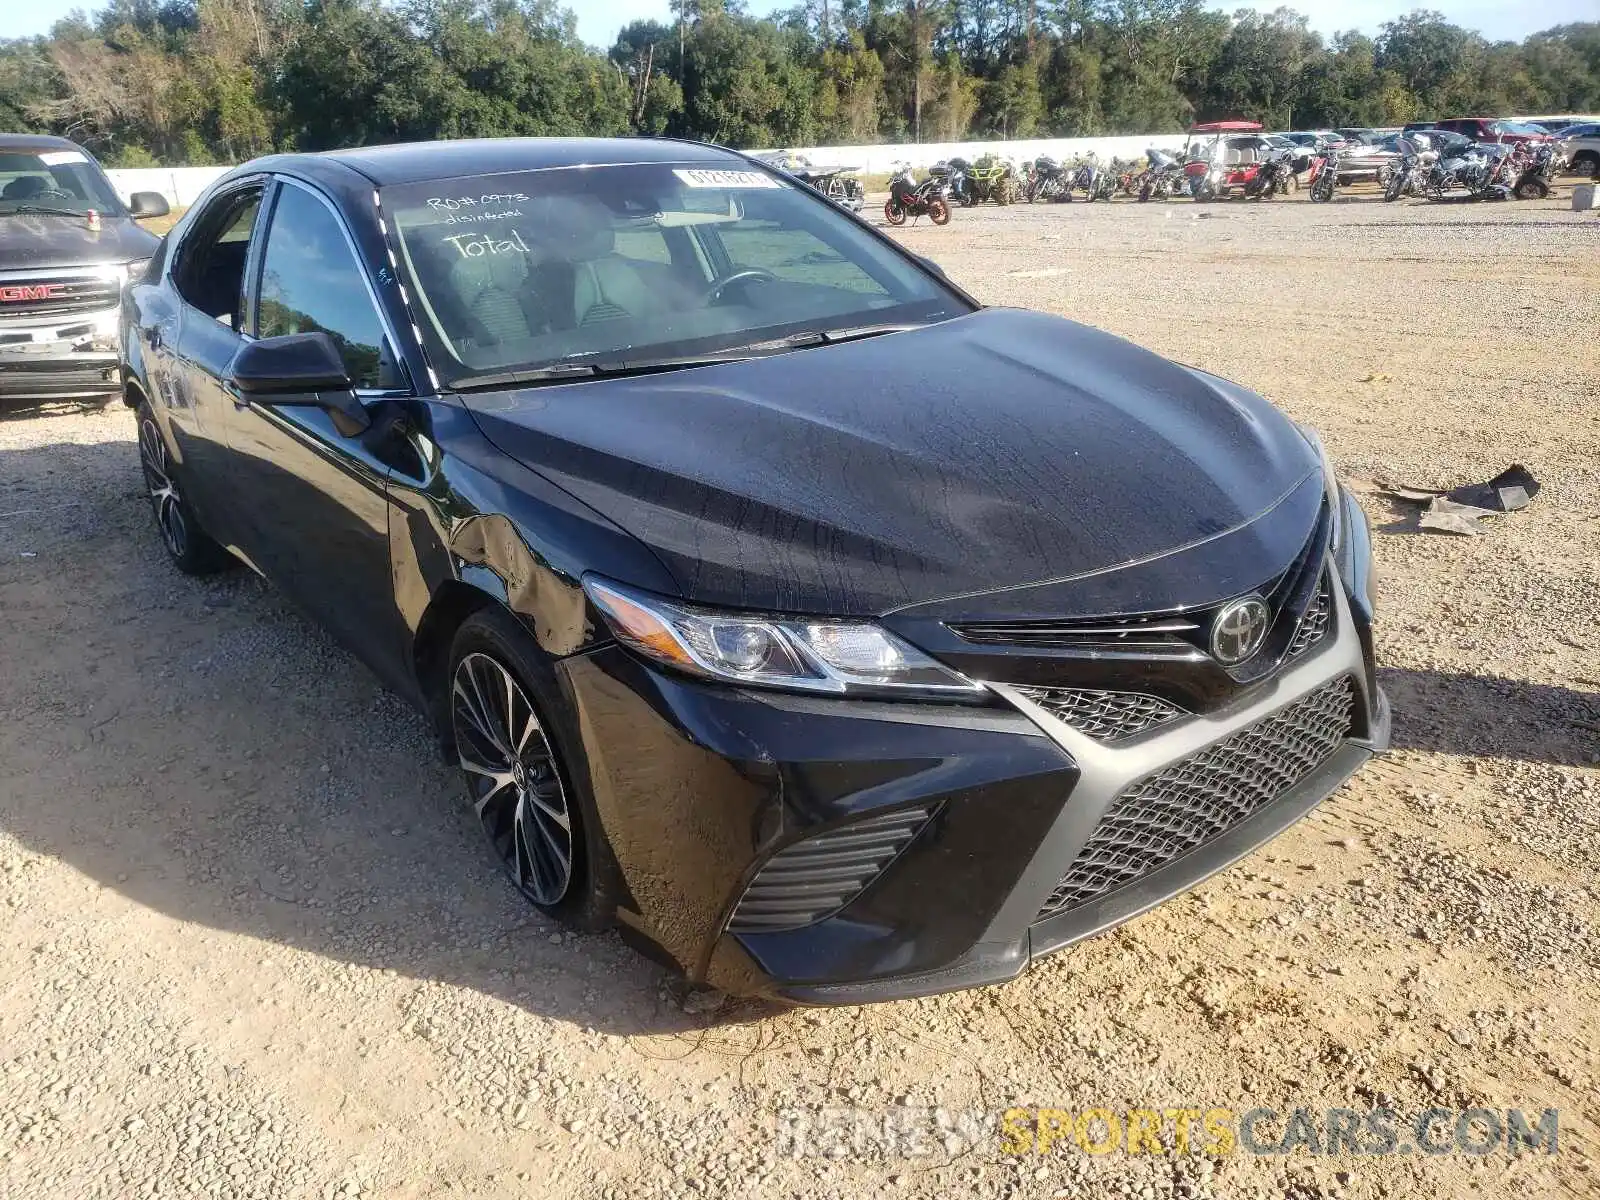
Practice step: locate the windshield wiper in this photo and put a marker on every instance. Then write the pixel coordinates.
(569, 371)
(853, 333)
(43, 210)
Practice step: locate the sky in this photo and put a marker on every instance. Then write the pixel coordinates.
(599, 20)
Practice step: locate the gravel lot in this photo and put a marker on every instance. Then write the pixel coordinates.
(253, 945)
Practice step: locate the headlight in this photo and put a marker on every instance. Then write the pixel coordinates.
(795, 653)
(1330, 481)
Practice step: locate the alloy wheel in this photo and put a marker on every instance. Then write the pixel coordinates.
(163, 491)
(511, 773)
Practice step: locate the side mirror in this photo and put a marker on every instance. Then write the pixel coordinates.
(300, 369)
(144, 205)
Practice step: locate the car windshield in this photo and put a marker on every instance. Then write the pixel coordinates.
(617, 265)
(66, 181)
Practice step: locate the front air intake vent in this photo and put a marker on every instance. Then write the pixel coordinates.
(816, 877)
(1104, 716)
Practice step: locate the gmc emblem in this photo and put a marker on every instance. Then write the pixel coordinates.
(12, 293)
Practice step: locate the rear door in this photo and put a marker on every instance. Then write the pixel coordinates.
(312, 496)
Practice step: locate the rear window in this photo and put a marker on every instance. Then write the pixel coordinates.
(537, 268)
(64, 180)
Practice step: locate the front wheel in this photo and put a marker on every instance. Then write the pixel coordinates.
(519, 781)
(894, 213)
(1322, 189)
(1396, 186)
(191, 549)
(938, 212)
(1532, 188)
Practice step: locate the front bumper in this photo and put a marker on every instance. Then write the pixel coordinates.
(699, 789)
(65, 357)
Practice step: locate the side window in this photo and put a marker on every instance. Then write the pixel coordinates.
(209, 273)
(311, 283)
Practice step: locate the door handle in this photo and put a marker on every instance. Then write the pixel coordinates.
(155, 337)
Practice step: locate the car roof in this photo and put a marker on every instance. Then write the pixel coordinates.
(421, 162)
(1226, 127)
(37, 141)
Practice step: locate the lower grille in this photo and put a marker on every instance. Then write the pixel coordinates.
(1104, 716)
(1198, 798)
(815, 878)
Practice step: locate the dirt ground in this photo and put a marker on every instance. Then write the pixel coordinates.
(252, 945)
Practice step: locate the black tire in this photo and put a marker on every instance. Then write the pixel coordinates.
(893, 213)
(1396, 186)
(1585, 162)
(1144, 194)
(191, 549)
(530, 777)
(1322, 189)
(938, 212)
(1531, 189)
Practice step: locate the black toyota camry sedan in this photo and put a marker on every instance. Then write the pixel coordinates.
(834, 636)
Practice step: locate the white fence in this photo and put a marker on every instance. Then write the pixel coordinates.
(183, 185)
(878, 159)
(180, 185)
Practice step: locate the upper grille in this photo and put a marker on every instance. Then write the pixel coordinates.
(815, 878)
(1105, 716)
(1145, 634)
(1197, 798)
(1313, 625)
(56, 297)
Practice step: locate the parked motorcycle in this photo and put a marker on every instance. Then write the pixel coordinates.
(1163, 178)
(1086, 175)
(1464, 167)
(1538, 172)
(1409, 174)
(1326, 179)
(908, 198)
(1275, 174)
(1047, 181)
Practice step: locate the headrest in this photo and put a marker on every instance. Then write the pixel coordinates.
(471, 277)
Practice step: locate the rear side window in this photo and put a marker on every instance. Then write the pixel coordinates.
(311, 283)
(211, 262)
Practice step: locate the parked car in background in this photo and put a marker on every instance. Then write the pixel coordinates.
(68, 244)
(839, 637)
(1359, 135)
(1313, 140)
(1490, 129)
(1369, 162)
(1580, 146)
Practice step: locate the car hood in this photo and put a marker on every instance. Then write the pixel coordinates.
(32, 242)
(995, 450)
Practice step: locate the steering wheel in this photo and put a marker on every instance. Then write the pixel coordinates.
(746, 275)
(51, 194)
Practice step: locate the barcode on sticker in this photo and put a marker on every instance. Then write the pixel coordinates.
(726, 179)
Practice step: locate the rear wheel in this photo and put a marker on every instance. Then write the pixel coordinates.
(893, 213)
(190, 548)
(938, 212)
(520, 783)
(1532, 188)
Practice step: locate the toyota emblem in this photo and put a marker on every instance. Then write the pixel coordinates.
(1239, 630)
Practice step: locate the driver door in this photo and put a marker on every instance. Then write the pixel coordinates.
(312, 497)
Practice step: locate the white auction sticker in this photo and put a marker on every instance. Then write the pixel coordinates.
(726, 179)
(58, 158)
